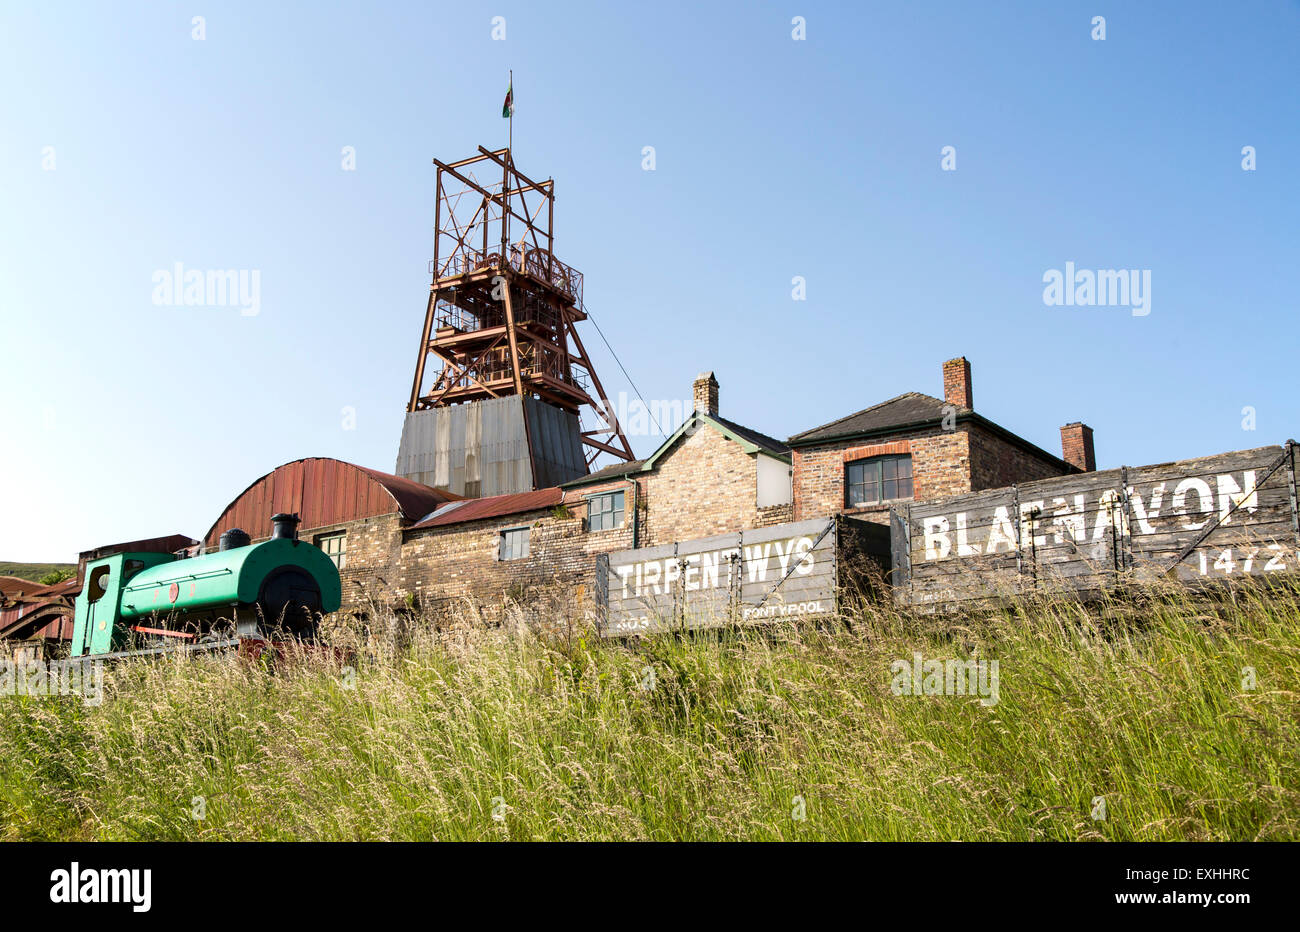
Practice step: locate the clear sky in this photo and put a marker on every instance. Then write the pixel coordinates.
(127, 145)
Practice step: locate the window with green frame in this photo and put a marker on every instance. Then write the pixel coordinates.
(335, 547)
(605, 511)
(878, 479)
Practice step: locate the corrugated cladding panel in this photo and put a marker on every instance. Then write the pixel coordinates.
(485, 442)
(557, 444)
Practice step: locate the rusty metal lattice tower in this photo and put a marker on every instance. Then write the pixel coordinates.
(503, 310)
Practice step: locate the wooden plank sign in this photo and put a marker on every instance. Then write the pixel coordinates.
(784, 571)
(1222, 516)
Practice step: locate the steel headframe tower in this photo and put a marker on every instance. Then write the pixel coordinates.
(502, 321)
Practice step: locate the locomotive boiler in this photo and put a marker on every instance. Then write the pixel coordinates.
(152, 601)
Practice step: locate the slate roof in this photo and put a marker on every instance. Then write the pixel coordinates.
(771, 444)
(612, 471)
(910, 410)
(901, 411)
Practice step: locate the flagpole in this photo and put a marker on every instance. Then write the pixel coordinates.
(511, 144)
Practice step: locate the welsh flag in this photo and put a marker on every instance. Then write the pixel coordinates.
(508, 108)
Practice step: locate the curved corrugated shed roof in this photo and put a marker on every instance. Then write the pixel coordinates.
(325, 491)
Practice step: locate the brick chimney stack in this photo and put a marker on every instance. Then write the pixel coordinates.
(956, 383)
(1076, 446)
(706, 393)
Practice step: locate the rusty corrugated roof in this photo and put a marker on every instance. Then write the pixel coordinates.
(477, 509)
(25, 590)
(16, 585)
(324, 491)
(413, 498)
(168, 544)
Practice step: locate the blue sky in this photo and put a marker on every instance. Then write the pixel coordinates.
(775, 158)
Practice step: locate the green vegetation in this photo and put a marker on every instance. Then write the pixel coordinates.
(37, 571)
(1149, 705)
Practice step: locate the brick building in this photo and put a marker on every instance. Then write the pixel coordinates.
(710, 476)
(399, 542)
(915, 447)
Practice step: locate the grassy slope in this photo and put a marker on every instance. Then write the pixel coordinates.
(1150, 714)
(34, 571)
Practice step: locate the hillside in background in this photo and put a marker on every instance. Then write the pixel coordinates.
(34, 571)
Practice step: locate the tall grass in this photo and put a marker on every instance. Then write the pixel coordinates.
(500, 732)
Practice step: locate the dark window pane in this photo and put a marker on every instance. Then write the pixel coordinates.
(514, 544)
(905, 487)
(890, 466)
(605, 511)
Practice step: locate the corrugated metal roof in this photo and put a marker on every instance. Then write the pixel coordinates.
(324, 491)
(477, 509)
(411, 496)
(17, 588)
(169, 544)
(16, 585)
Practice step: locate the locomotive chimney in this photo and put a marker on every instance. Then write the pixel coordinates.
(284, 526)
(232, 538)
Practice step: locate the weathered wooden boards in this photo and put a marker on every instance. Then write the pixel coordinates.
(790, 570)
(1222, 516)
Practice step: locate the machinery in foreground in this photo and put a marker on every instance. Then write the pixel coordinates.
(134, 603)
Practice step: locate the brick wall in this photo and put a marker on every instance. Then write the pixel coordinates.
(941, 465)
(374, 546)
(967, 459)
(442, 564)
(995, 462)
(706, 484)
